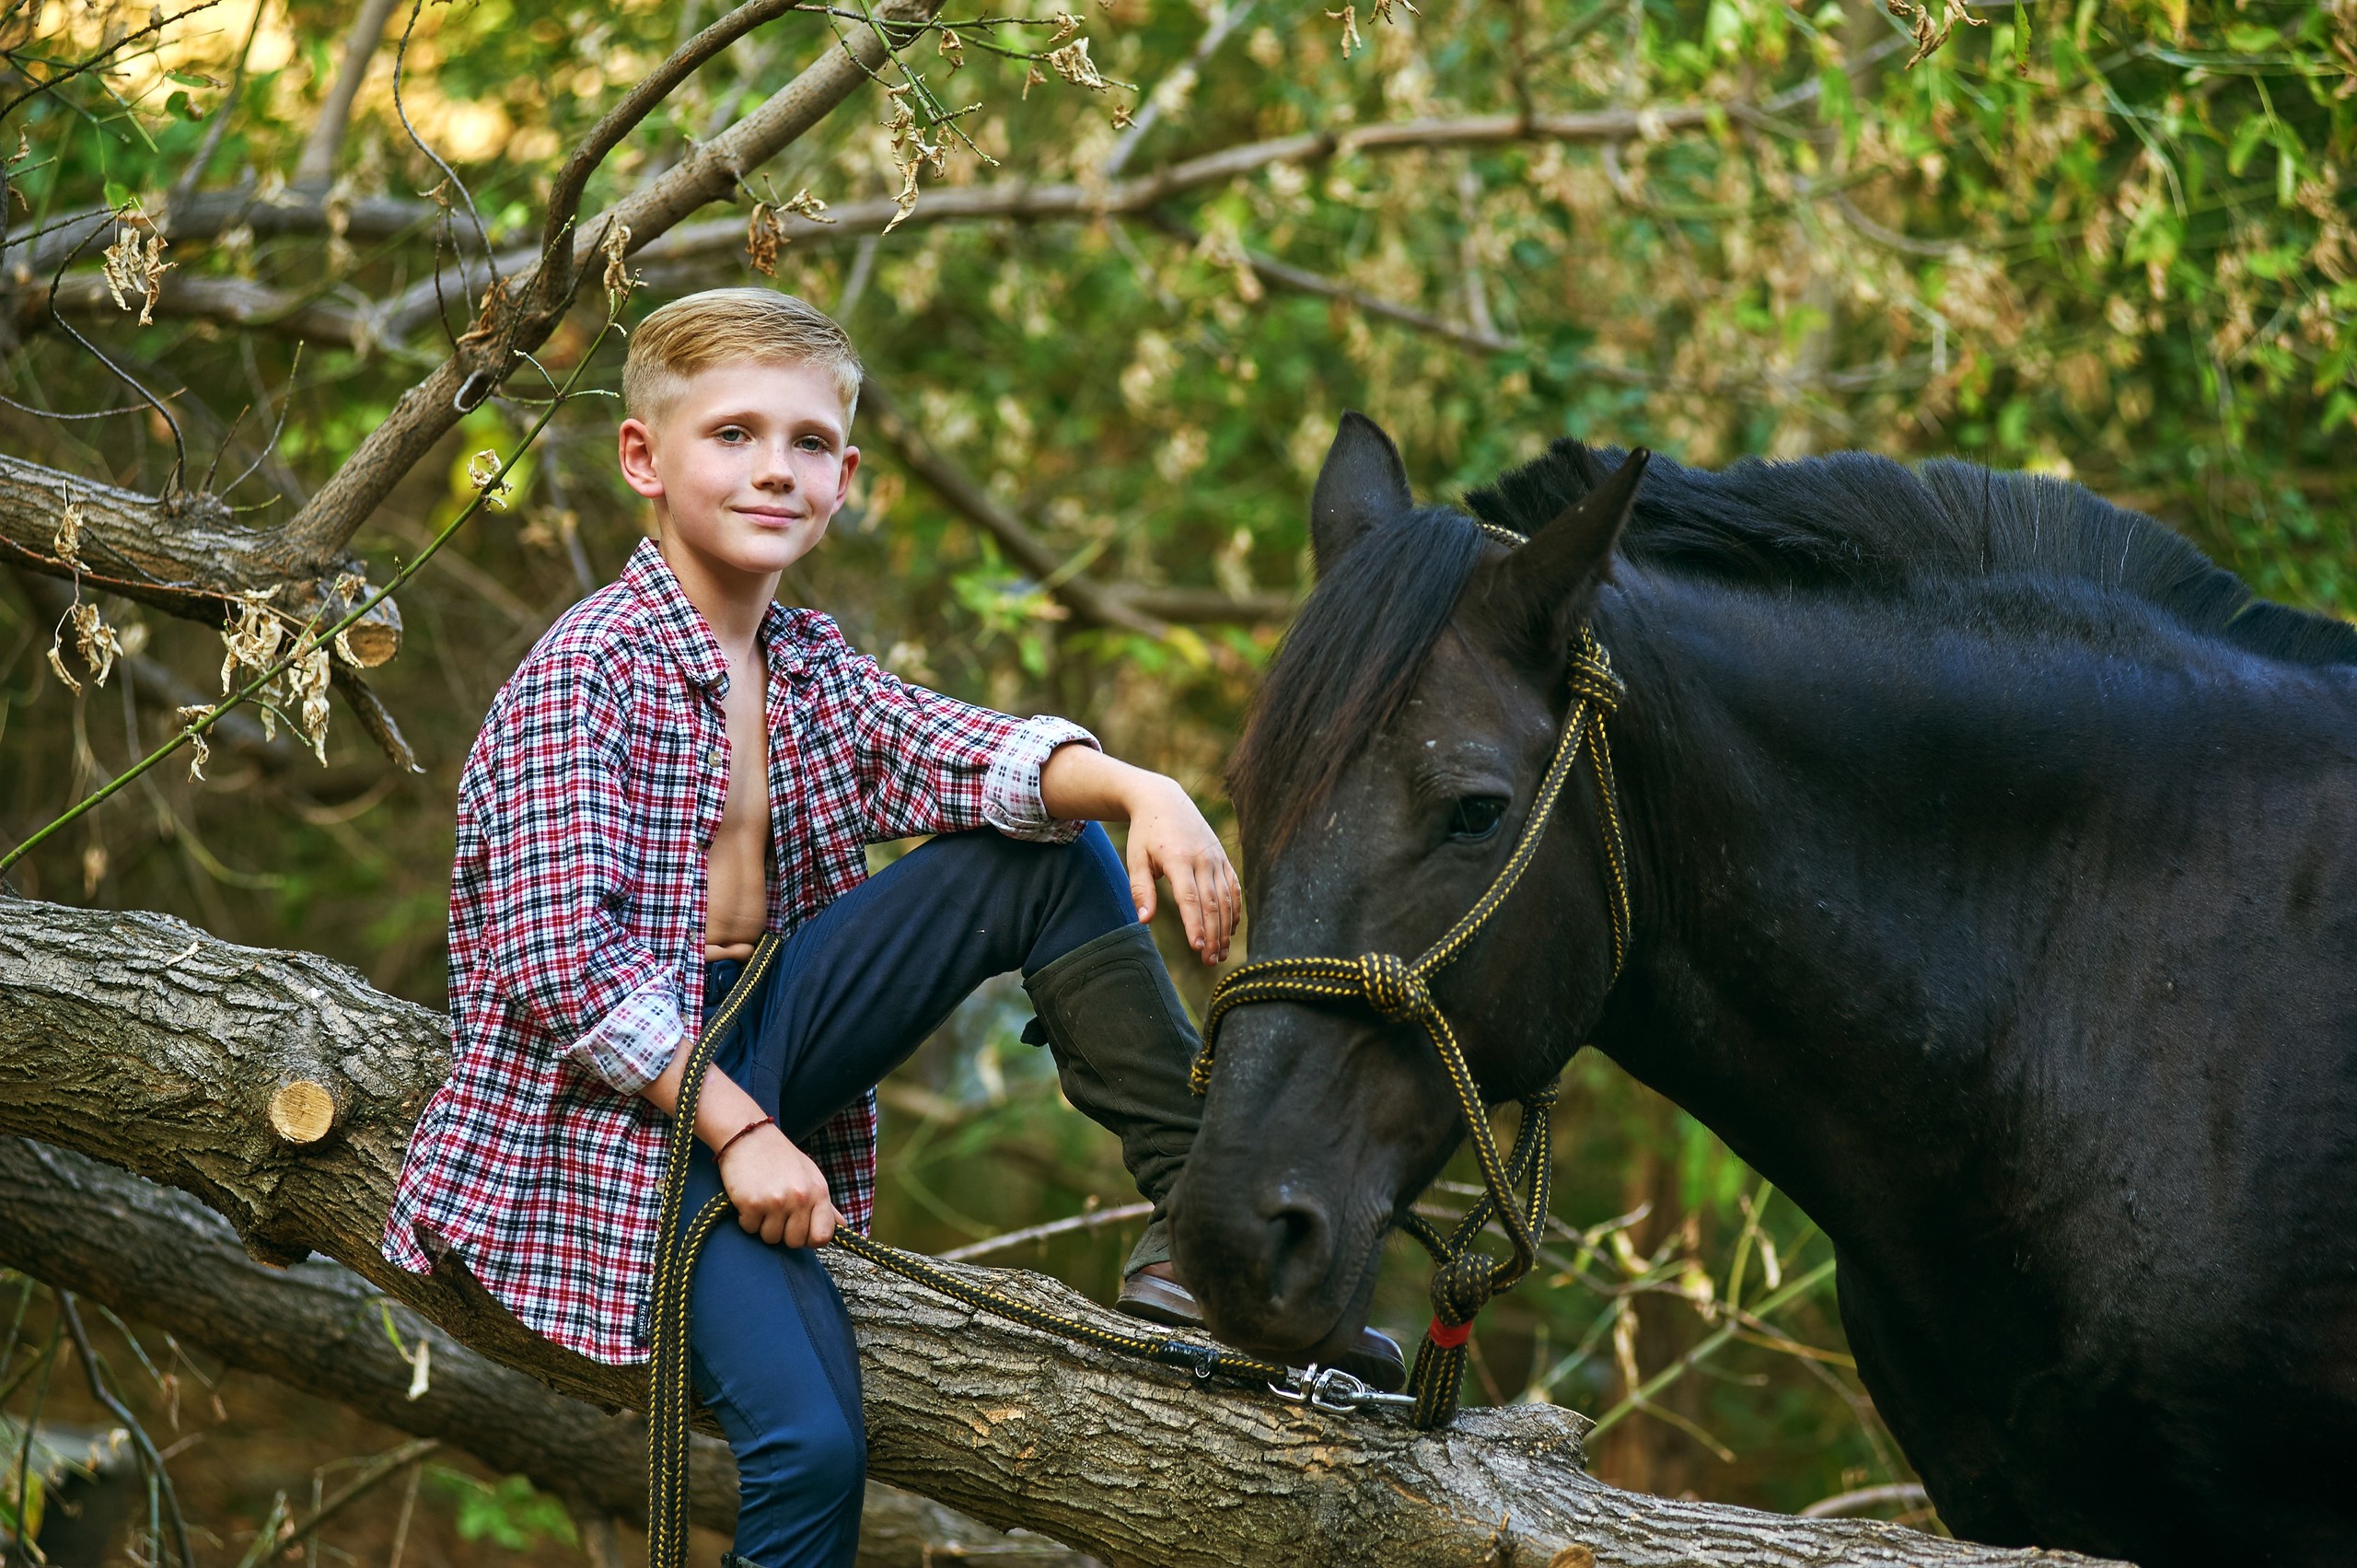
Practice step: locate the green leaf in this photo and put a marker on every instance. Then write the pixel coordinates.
(118, 194)
(191, 78)
(2248, 135)
(508, 1511)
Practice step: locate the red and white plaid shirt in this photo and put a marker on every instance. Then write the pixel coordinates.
(577, 922)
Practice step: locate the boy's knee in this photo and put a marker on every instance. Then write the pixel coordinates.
(811, 1464)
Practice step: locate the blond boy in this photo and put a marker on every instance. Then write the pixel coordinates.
(683, 766)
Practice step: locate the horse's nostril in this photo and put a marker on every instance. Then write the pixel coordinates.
(1300, 1246)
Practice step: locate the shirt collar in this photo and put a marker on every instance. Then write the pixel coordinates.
(684, 634)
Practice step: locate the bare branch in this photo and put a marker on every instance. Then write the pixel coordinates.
(186, 556)
(1173, 88)
(1022, 200)
(317, 165)
(957, 487)
(564, 193)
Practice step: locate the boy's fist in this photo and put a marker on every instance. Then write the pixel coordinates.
(779, 1192)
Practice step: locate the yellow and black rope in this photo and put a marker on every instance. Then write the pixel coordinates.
(1464, 1278)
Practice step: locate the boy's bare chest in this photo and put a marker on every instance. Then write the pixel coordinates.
(738, 859)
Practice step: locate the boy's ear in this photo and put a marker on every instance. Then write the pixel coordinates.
(1545, 587)
(635, 451)
(1363, 484)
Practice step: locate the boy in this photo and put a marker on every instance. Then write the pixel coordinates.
(682, 765)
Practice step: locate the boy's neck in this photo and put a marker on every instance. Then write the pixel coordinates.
(731, 602)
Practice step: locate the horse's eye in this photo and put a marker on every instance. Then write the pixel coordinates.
(1476, 817)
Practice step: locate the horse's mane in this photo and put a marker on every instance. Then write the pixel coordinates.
(1851, 521)
(1856, 521)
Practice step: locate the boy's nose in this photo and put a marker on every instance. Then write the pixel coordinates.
(775, 469)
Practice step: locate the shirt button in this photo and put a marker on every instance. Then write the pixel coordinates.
(712, 759)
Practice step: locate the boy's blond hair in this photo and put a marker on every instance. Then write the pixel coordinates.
(732, 326)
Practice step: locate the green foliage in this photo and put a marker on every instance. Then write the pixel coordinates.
(507, 1512)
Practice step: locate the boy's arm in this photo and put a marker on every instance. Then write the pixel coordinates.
(781, 1195)
(1169, 838)
(931, 764)
(558, 835)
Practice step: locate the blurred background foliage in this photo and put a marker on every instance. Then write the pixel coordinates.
(2107, 241)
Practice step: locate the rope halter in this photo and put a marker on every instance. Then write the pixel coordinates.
(1399, 991)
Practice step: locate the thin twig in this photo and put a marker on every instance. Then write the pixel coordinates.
(1015, 1239)
(157, 1477)
(374, 1473)
(185, 186)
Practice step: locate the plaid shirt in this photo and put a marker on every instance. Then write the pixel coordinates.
(577, 920)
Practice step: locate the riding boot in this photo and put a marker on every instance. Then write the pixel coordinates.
(1123, 1044)
(1123, 1047)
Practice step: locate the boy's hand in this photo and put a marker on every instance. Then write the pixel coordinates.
(1169, 839)
(779, 1192)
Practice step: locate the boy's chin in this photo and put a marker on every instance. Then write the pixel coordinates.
(755, 555)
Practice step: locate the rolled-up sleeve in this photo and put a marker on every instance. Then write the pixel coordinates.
(562, 860)
(931, 764)
(631, 1046)
(1011, 799)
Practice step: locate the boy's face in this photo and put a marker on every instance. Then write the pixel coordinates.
(746, 466)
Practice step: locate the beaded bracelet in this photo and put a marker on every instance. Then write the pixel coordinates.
(739, 1134)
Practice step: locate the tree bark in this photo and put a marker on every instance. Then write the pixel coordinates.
(184, 555)
(158, 1256)
(136, 1039)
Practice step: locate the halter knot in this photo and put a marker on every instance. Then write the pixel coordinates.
(1392, 988)
(1591, 679)
(1462, 1286)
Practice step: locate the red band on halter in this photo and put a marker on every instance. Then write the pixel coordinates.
(1447, 1338)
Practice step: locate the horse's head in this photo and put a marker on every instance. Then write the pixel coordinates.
(1385, 776)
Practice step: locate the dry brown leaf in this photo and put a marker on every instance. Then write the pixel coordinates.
(765, 237)
(306, 693)
(67, 545)
(615, 248)
(1352, 42)
(200, 749)
(250, 638)
(1072, 63)
(133, 265)
(95, 640)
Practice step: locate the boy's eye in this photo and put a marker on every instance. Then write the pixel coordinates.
(733, 435)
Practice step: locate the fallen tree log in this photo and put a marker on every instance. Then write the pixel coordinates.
(136, 1039)
(154, 1255)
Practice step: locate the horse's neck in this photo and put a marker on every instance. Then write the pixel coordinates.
(1882, 883)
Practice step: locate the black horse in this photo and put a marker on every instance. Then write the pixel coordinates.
(1993, 859)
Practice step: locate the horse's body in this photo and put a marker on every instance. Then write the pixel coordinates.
(1993, 864)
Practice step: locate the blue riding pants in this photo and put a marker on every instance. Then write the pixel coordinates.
(850, 997)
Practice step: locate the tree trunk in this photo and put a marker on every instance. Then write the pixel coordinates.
(158, 1256)
(139, 1040)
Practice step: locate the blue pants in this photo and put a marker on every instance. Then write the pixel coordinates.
(851, 995)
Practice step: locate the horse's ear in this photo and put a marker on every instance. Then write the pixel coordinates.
(1546, 586)
(1363, 484)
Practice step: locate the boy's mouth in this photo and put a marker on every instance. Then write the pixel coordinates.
(768, 515)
